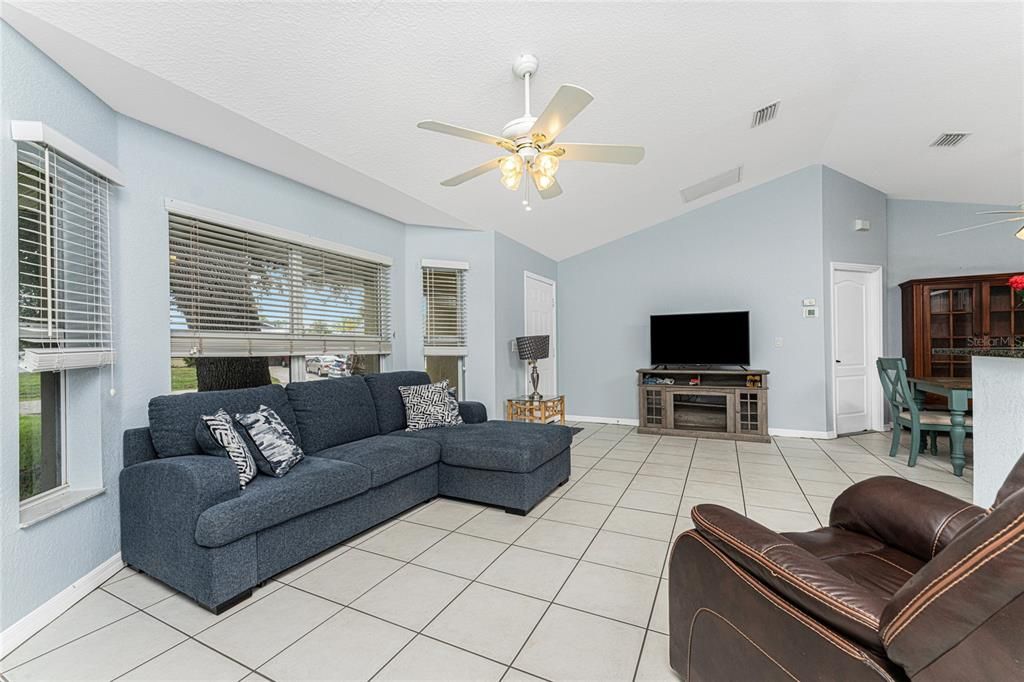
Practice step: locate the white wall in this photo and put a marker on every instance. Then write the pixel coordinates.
(998, 423)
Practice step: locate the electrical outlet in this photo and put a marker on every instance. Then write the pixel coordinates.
(810, 312)
(778, 342)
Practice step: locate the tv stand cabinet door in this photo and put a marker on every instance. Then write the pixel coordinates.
(653, 410)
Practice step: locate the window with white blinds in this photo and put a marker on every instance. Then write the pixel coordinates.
(236, 292)
(444, 308)
(64, 317)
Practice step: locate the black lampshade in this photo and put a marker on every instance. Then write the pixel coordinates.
(532, 347)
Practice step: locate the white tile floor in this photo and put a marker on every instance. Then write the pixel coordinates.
(453, 591)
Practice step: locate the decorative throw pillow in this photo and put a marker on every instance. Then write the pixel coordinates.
(217, 435)
(276, 449)
(429, 406)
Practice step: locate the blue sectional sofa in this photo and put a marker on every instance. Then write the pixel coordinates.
(186, 522)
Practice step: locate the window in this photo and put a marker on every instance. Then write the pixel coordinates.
(313, 312)
(64, 321)
(444, 321)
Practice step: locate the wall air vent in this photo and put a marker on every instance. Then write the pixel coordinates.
(949, 139)
(764, 114)
(711, 185)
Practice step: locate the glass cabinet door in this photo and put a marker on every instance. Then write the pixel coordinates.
(1005, 323)
(952, 312)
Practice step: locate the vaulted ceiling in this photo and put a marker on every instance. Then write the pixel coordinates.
(330, 93)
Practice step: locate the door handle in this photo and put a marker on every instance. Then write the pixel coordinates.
(838, 361)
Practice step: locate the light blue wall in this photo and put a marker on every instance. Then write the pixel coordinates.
(477, 249)
(38, 562)
(760, 250)
(511, 260)
(916, 250)
(844, 200)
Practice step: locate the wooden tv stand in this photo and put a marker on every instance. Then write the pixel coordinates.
(726, 403)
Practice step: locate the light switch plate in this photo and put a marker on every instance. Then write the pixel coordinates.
(809, 302)
(778, 342)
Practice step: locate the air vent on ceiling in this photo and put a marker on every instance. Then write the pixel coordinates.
(764, 114)
(711, 185)
(949, 139)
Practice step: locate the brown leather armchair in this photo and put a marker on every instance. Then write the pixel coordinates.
(906, 582)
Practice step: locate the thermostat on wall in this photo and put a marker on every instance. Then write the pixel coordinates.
(810, 312)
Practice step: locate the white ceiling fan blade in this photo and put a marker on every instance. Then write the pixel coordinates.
(1019, 211)
(475, 135)
(551, 192)
(472, 173)
(569, 101)
(601, 153)
(975, 227)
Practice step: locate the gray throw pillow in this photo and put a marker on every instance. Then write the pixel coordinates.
(429, 406)
(217, 435)
(276, 451)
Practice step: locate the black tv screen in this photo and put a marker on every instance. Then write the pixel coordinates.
(701, 339)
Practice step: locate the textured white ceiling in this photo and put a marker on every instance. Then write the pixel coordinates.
(339, 87)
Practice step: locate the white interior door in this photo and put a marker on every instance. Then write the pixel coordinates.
(539, 304)
(855, 320)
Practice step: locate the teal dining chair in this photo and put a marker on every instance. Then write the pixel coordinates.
(905, 412)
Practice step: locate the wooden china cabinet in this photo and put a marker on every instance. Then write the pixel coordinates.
(976, 311)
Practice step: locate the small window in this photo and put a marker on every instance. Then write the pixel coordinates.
(444, 321)
(40, 433)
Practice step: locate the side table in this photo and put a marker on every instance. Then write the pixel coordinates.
(526, 409)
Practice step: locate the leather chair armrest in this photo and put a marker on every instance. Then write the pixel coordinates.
(472, 412)
(793, 573)
(911, 517)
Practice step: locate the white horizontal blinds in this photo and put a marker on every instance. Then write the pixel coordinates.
(444, 315)
(239, 293)
(64, 318)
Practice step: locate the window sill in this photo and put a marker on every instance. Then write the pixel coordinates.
(33, 513)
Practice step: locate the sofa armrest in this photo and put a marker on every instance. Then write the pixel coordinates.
(472, 412)
(794, 573)
(172, 492)
(911, 517)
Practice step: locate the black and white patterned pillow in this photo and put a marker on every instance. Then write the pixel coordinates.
(227, 442)
(429, 406)
(276, 449)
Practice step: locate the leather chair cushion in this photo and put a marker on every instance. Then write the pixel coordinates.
(866, 561)
(910, 517)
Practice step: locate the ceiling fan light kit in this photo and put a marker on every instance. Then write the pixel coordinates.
(530, 141)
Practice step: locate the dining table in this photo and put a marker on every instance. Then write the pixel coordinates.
(957, 391)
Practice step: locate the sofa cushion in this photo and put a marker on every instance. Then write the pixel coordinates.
(386, 457)
(267, 501)
(332, 411)
(274, 447)
(388, 401)
(218, 435)
(518, 447)
(172, 418)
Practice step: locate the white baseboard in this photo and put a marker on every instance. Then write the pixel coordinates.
(602, 420)
(797, 433)
(15, 636)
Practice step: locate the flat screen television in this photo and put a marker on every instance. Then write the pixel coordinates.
(701, 339)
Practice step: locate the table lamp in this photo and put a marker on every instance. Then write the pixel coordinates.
(532, 349)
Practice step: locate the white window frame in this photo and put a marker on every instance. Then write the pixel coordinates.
(66, 494)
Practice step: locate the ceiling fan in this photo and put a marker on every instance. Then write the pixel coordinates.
(530, 141)
(1017, 215)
